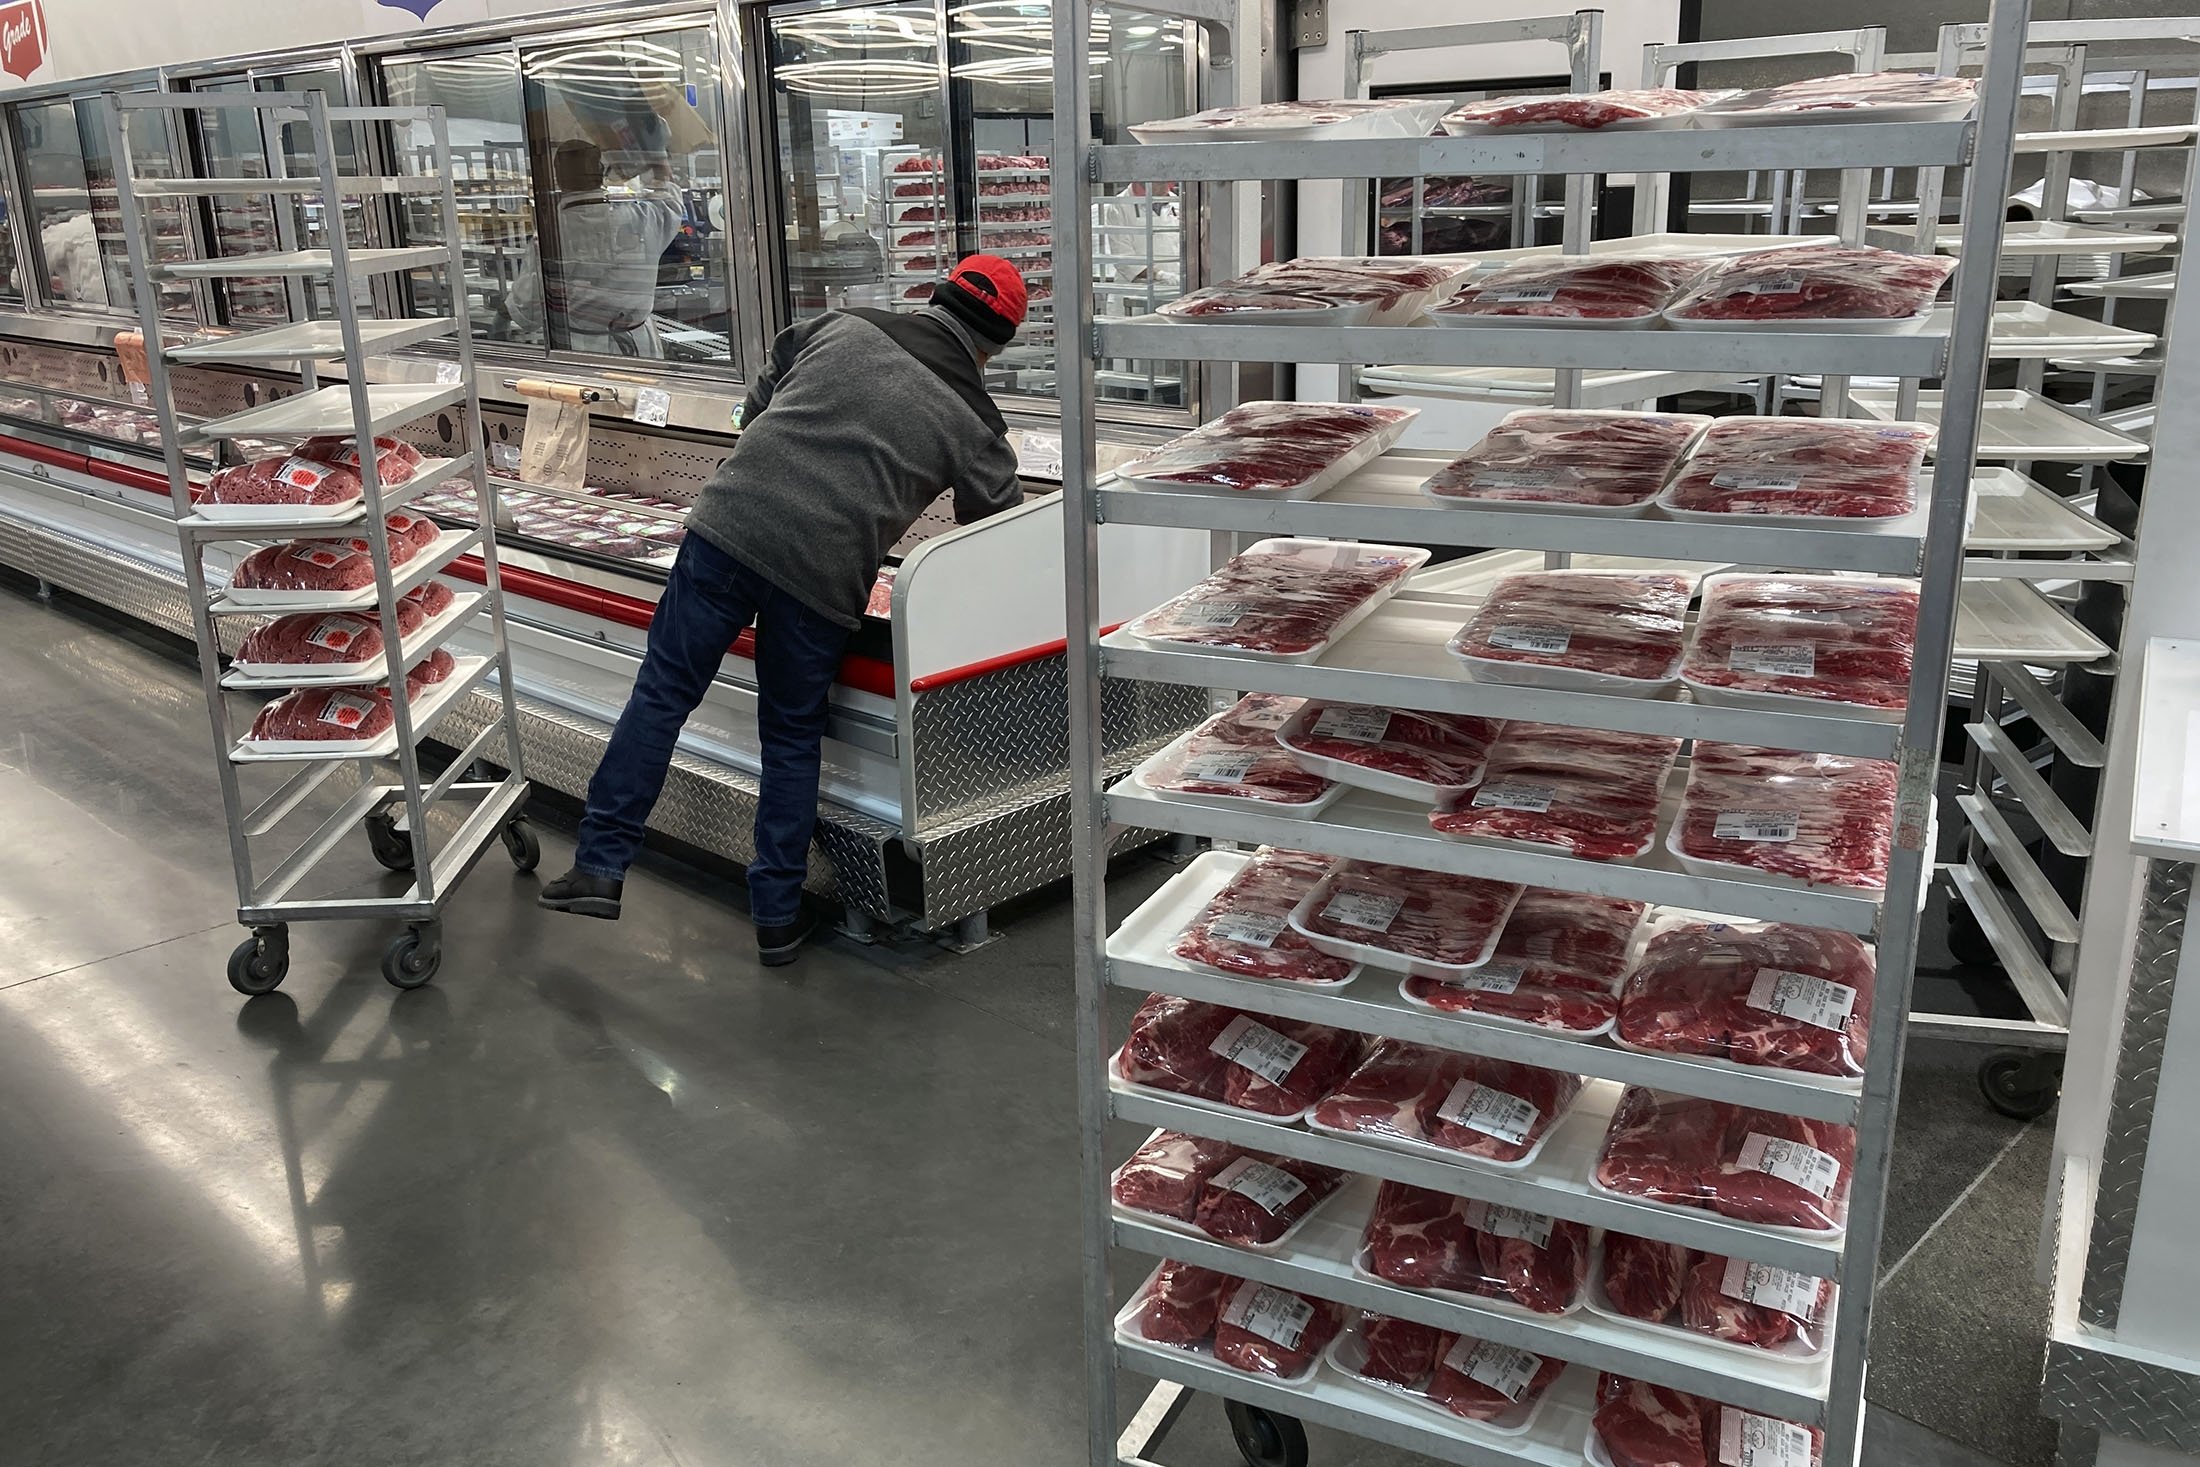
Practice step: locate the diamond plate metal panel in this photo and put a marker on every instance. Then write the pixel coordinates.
(151, 591)
(2076, 1446)
(2116, 1395)
(1006, 853)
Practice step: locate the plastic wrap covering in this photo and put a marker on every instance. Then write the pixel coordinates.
(1811, 817)
(1433, 1240)
(1768, 994)
(1611, 289)
(1245, 929)
(1834, 639)
(1584, 110)
(1559, 456)
(1287, 601)
(1816, 283)
(1624, 625)
(1485, 1108)
(1593, 793)
(1801, 468)
(1267, 1065)
(1750, 1165)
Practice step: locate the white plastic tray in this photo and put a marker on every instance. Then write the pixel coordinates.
(2018, 425)
(1601, 1307)
(1306, 811)
(340, 674)
(1813, 1235)
(2051, 237)
(2010, 621)
(1876, 326)
(1506, 1021)
(1436, 316)
(249, 599)
(2025, 329)
(1149, 934)
(1189, 1230)
(1432, 1150)
(424, 710)
(1359, 776)
(1372, 956)
(1351, 462)
(1734, 871)
(1347, 1353)
(2010, 511)
(278, 515)
(2104, 139)
(1338, 313)
(1830, 116)
(1497, 1302)
(1415, 556)
(2133, 287)
(1117, 1081)
(1414, 120)
(1801, 521)
(1126, 1333)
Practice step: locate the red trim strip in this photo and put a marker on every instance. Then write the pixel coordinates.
(969, 670)
(59, 458)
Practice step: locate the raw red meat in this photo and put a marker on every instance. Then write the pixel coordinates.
(1595, 460)
(1622, 624)
(1569, 939)
(1576, 109)
(1442, 749)
(915, 190)
(293, 480)
(1179, 1304)
(1395, 289)
(1752, 1165)
(1283, 602)
(313, 638)
(315, 565)
(433, 598)
(1593, 793)
(395, 462)
(1643, 1277)
(1254, 1198)
(1270, 447)
(1245, 929)
(414, 530)
(1815, 283)
(1644, 1425)
(1769, 994)
(1400, 1352)
(324, 714)
(1264, 1330)
(1839, 639)
(918, 213)
(1539, 1263)
(1724, 1299)
(1574, 288)
(1165, 1175)
(1830, 468)
(1447, 193)
(1663, 1147)
(1813, 817)
(1269, 1065)
(1485, 1108)
(1409, 916)
(1394, 1092)
(1481, 1380)
(1431, 1240)
(1497, 990)
(1847, 90)
(918, 163)
(1235, 755)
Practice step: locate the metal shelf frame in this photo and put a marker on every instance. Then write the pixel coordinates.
(1369, 826)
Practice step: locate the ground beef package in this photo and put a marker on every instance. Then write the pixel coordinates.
(1248, 1326)
(1476, 1380)
(1587, 111)
(1403, 918)
(1234, 755)
(1271, 447)
(1557, 965)
(1230, 1194)
(1444, 751)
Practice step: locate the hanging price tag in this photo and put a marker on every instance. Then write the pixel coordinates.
(1492, 1112)
(1805, 1165)
(1366, 909)
(652, 406)
(1819, 1002)
(1526, 638)
(1256, 1047)
(1771, 825)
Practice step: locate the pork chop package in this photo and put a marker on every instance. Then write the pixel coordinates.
(1279, 448)
(1228, 1193)
(1557, 966)
(1589, 630)
(1245, 929)
(1590, 290)
(1593, 793)
(1831, 639)
(1393, 751)
(1750, 1165)
(1433, 1240)
(1730, 1299)
(1824, 818)
(1638, 1424)
(320, 638)
(1253, 1327)
(1800, 469)
(1586, 111)
(1270, 1066)
(1815, 283)
(1489, 1109)
(1569, 458)
(1282, 598)
(1473, 1379)
(1405, 919)
(1768, 994)
(1235, 756)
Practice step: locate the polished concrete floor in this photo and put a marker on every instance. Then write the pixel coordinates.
(611, 1194)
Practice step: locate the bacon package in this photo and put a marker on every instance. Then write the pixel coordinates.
(1557, 965)
(1584, 110)
(1404, 919)
(1235, 756)
(1592, 793)
(1643, 1425)
(1824, 818)
(1473, 1379)
(1849, 92)
(1282, 598)
(1272, 448)
(1750, 1165)
(1754, 1305)
(1600, 631)
(1489, 1109)
(1433, 1240)
(1393, 751)
(1228, 1193)
(1767, 994)
(1833, 639)
(1270, 1066)
(1825, 283)
(1800, 469)
(1601, 290)
(1568, 458)
(1245, 928)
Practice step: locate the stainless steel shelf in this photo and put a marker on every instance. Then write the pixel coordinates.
(199, 527)
(327, 410)
(348, 184)
(361, 263)
(2065, 831)
(308, 340)
(412, 573)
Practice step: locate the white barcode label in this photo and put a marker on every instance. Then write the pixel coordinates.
(1521, 479)
(1276, 1315)
(1786, 282)
(504, 455)
(1509, 1222)
(1271, 713)
(652, 406)
(1498, 977)
(334, 633)
(141, 393)
(1757, 479)
(1353, 724)
(1492, 1112)
(1213, 614)
(1512, 795)
(1256, 1047)
(1270, 1188)
(1503, 1369)
(1791, 1161)
(1756, 825)
(1749, 1440)
(1820, 1002)
(1370, 910)
(346, 710)
(1520, 637)
(446, 373)
(1252, 929)
(1773, 659)
(1506, 294)
(1791, 1293)
(1225, 768)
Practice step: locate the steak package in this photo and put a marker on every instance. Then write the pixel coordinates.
(1253, 1327)
(1474, 1379)
(1282, 598)
(1750, 1165)
(1228, 1193)
(1557, 965)
(1730, 1299)
(319, 638)
(1179, 1303)
(1405, 919)
(1592, 793)
(1836, 639)
(1643, 1425)
(1489, 1109)
(1569, 457)
(1379, 747)
(1801, 468)
(1585, 110)
(1566, 628)
(1768, 994)
(1234, 755)
(1433, 1240)
(1815, 283)
(1272, 447)
(1270, 1066)
(1593, 289)
(1245, 928)
(1824, 818)
(1849, 91)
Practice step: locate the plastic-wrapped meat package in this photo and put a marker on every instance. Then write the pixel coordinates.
(395, 462)
(314, 638)
(1245, 929)
(1394, 1092)
(1264, 1330)
(1643, 1278)
(315, 565)
(1271, 447)
(1663, 1147)
(1768, 994)
(1404, 916)
(415, 531)
(1269, 1065)
(1167, 1174)
(918, 163)
(283, 481)
(1565, 456)
(1391, 290)
(1481, 1380)
(1256, 1199)
(1284, 602)
(1614, 624)
(915, 239)
(1823, 818)
(1838, 639)
(1179, 1304)
(1586, 110)
(1400, 1352)
(1235, 755)
(1755, 1304)
(1644, 1425)
(1216, 123)
(1497, 990)
(1826, 468)
(334, 715)
(1751, 1165)
(1432, 1240)
(1487, 1108)
(1848, 91)
(1557, 964)
(1593, 793)
(1447, 193)
(1591, 288)
(1442, 749)
(1815, 283)
(433, 598)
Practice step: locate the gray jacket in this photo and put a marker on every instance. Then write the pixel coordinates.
(861, 419)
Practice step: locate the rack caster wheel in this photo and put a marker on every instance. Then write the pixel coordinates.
(412, 958)
(1967, 941)
(2020, 1085)
(392, 848)
(1264, 1438)
(261, 962)
(526, 851)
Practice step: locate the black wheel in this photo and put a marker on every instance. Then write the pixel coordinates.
(391, 846)
(261, 962)
(2020, 1085)
(519, 839)
(413, 957)
(1967, 941)
(1266, 1439)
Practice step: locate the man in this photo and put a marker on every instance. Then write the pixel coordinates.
(860, 420)
(593, 284)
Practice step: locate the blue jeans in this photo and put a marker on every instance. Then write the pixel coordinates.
(709, 600)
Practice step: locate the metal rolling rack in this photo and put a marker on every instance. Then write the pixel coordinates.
(362, 411)
(1265, 1414)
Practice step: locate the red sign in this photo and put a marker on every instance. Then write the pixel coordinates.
(22, 37)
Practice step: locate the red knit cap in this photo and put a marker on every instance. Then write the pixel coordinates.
(995, 287)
